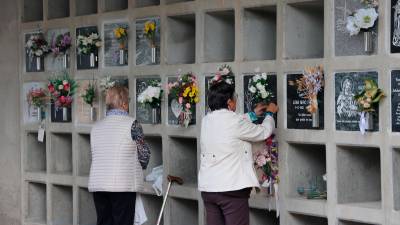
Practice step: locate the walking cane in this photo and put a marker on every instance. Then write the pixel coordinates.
(171, 179)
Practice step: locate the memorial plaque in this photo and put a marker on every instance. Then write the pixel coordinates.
(395, 27)
(143, 48)
(174, 108)
(82, 108)
(55, 63)
(112, 46)
(83, 61)
(347, 85)
(395, 89)
(30, 62)
(143, 112)
(31, 112)
(297, 115)
(207, 79)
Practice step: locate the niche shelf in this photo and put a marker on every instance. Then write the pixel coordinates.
(84, 155)
(219, 36)
(187, 210)
(58, 9)
(359, 176)
(61, 205)
(176, 1)
(156, 153)
(183, 152)
(181, 39)
(145, 3)
(33, 10)
(36, 205)
(345, 222)
(35, 160)
(61, 153)
(298, 219)
(86, 7)
(87, 211)
(307, 166)
(115, 5)
(259, 34)
(396, 178)
(263, 217)
(152, 206)
(304, 29)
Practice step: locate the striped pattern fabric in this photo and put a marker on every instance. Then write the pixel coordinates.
(115, 165)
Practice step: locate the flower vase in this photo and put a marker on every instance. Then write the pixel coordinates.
(121, 57)
(155, 115)
(369, 121)
(92, 60)
(153, 54)
(315, 119)
(93, 114)
(186, 117)
(368, 42)
(64, 114)
(65, 61)
(38, 63)
(39, 114)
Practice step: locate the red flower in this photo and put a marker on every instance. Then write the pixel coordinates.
(62, 99)
(66, 87)
(51, 87)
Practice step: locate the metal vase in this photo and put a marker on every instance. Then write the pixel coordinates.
(65, 61)
(153, 54)
(92, 60)
(64, 113)
(38, 63)
(39, 113)
(155, 115)
(315, 119)
(368, 42)
(121, 57)
(93, 114)
(369, 121)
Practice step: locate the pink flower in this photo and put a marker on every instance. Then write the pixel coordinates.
(188, 106)
(180, 100)
(261, 160)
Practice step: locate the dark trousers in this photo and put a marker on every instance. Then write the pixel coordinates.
(227, 208)
(115, 208)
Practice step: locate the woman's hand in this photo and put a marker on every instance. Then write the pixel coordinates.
(260, 108)
(272, 107)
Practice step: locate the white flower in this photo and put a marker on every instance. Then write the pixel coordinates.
(89, 40)
(65, 82)
(365, 18)
(229, 81)
(264, 76)
(29, 43)
(60, 87)
(98, 44)
(94, 36)
(225, 71)
(256, 77)
(351, 26)
(260, 87)
(264, 94)
(39, 52)
(252, 89)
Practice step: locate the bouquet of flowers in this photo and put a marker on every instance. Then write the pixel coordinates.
(258, 85)
(37, 97)
(90, 94)
(62, 89)
(267, 161)
(121, 35)
(150, 32)
(224, 73)
(107, 83)
(363, 19)
(186, 92)
(37, 46)
(88, 43)
(152, 94)
(61, 44)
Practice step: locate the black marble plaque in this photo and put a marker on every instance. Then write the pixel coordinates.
(143, 112)
(30, 61)
(83, 61)
(57, 114)
(172, 117)
(248, 100)
(143, 49)
(395, 89)
(347, 85)
(111, 45)
(395, 27)
(297, 115)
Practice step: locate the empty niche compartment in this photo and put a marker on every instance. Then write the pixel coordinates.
(61, 153)
(86, 209)
(145, 3)
(33, 10)
(219, 31)
(36, 205)
(359, 176)
(187, 210)
(304, 30)
(307, 165)
(35, 160)
(84, 155)
(152, 206)
(263, 217)
(298, 219)
(86, 7)
(176, 1)
(346, 222)
(61, 208)
(58, 9)
(155, 144)
(259, 33)
(115, 5)
(396, 178)
(181, 39)
(183, 153)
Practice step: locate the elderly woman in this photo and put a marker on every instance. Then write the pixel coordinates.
(119, 155)
(226, 174)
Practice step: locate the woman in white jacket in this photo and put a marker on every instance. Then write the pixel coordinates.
(227, 174)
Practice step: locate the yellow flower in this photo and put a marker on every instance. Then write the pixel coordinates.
(122, 31)
(196, 100)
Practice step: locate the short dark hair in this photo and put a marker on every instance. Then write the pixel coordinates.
(219, 94)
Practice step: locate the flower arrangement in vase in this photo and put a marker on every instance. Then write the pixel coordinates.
(38, 98)
(149, 33)
(224, 73)
(106, 83)
(62, 89)
(60, 46)
(89, 96)
(185, 94)
(258, 87)
(364, 19)
(37, 47)
(368, 100)
(308, 86)
(152, 96)
(121, 34)
(88, 45)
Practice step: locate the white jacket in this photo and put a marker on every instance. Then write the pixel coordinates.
(226, 160)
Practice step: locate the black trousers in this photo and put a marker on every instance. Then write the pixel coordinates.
(115, 208)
